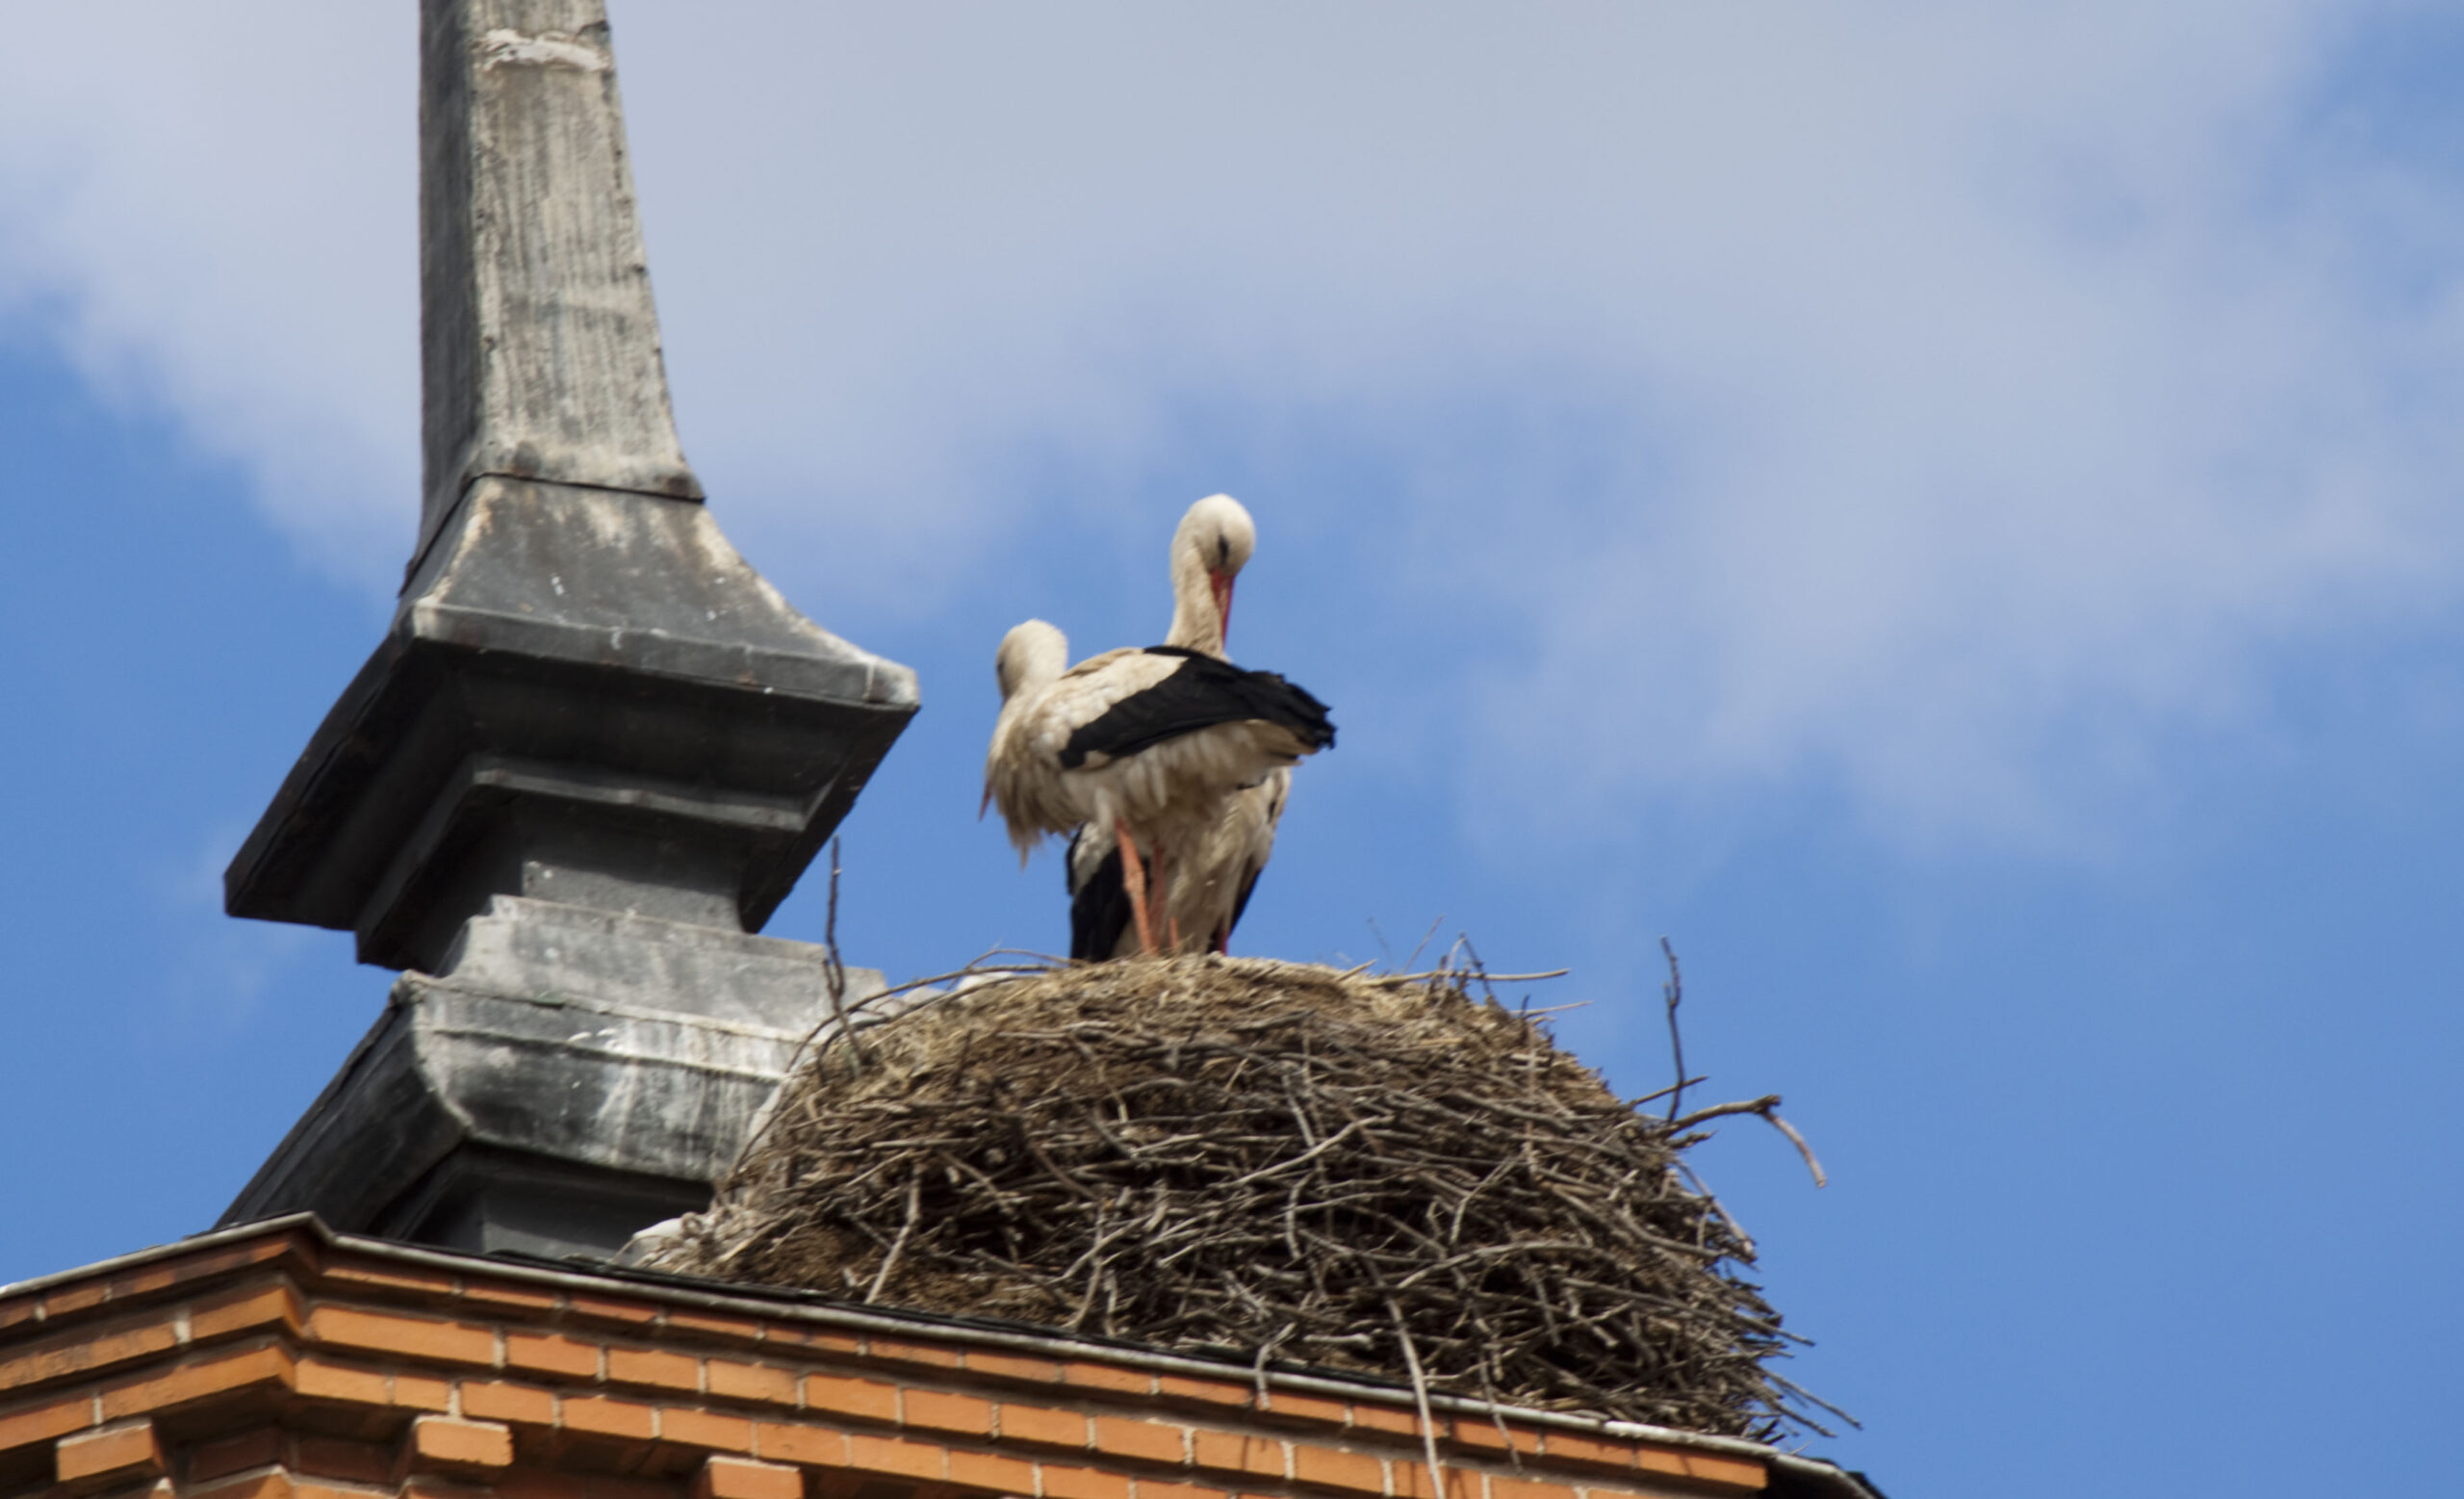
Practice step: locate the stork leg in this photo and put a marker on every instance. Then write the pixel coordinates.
(1159, 888)
(1132, 878)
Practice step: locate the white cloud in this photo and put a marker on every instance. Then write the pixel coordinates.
(212, 206)
(1950, 401)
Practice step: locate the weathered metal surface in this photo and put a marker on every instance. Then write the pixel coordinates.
(594, 751)
(541, 346)
(571, 1076)
(589, 696)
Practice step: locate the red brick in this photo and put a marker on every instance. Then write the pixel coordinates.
(504, 1292)
(1572, 1447)
(1158, 1488)
(1331, 1467)
(866, 1400)
(1411, 1481)
(714, 1326)
(257, 1449)
(890, 1454)
(1146, 1441)
(392, 1277)
(196, 1379)
(1008, 1366)
(1059, 1482)
(549, 1353)
(255, 1306)
(129, 1452)
(1213, 1392)
(1042, 1428)
(1502, 1486)
(831, 1340)
(612, 1311)
(738, 1478)
(419, 1392)
(1613, 1493)
(19, 1308)
(991, 1471)
(147, 1279)
(347, 1462)
(938, 1410)
(656, 1367)
(320, 1380)
(408, 1337)
(1383, 1418)
(1743, 1473)
(780, 1443)
(1484, 1436)
(44, 1423)
(1104, 1377)
(608, 1417)
(295, 1246)
(441, 1442)
(495, 1400)
(1235, 1451)
(702, 1429)
(1660, 1459)
(733, 1381)
(73, 1353)
(1285, 1406)
(70, 1299)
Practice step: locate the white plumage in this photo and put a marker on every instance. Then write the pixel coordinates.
(1171, 757)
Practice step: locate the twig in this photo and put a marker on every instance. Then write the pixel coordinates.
(1799, 1141)
(1674, 994)
(1420, 1399)
(1762, 1104)
(898, 1246)
(834, 971)
(1768, 1106)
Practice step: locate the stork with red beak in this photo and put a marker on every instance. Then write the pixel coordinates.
(1202, 897)
(1164, 763)
(1210, 547)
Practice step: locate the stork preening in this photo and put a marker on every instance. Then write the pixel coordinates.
(1168, 766)
(1202, 897)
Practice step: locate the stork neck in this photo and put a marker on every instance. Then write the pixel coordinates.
(1197, 623)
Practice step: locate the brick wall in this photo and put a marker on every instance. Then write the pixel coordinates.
(277, 1362)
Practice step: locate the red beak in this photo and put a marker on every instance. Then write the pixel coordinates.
(1222, 585)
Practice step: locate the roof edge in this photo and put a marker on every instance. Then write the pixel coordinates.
(789, 1305)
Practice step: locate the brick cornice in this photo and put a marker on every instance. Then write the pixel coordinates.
(649, 1380)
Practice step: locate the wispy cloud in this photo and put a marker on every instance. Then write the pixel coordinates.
(1947, 403)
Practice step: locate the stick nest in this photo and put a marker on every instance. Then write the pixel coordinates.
(1282, 1162)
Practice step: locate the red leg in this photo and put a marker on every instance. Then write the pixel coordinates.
(1132, 878)
(1159, 889)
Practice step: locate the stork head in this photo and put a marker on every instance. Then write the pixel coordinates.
(1209, 550)
(1031, 654)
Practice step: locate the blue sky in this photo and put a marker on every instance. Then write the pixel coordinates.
(1948, 513)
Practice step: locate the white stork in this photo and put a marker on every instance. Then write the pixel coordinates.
(1202, 897)
(1147, 747)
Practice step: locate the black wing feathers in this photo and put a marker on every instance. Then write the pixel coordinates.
(1202, 693)
(1098, 901)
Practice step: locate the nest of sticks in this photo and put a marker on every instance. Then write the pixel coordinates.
(1281, 1162)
